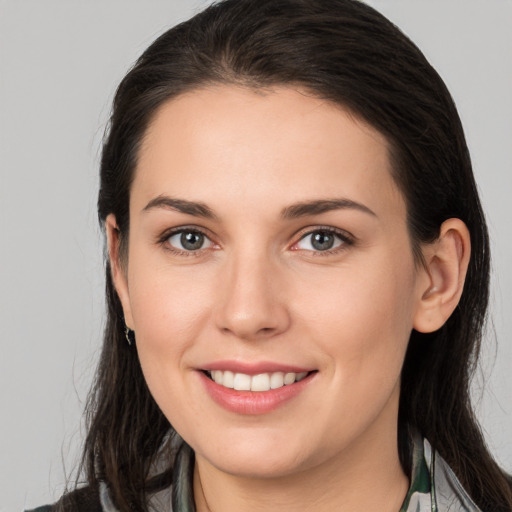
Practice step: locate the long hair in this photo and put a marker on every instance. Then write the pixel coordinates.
(346, 52)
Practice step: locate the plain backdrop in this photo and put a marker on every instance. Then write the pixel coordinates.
(60, 62)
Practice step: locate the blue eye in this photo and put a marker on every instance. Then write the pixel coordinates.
(320, 240)
(189, 240)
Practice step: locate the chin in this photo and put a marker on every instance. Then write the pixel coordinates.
(260, 468)
(257, 458)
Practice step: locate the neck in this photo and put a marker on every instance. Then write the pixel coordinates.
(367, 477)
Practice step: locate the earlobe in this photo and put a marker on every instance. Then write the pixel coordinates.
(119, 277)
(446, 264)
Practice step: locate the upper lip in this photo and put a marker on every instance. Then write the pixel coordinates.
(254, 368)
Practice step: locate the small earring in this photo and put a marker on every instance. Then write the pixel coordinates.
(129, 335)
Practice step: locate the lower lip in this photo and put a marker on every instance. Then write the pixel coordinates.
(253, 402)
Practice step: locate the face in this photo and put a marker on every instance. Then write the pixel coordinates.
(268, 251)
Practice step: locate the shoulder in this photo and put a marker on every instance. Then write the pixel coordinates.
(84, 499)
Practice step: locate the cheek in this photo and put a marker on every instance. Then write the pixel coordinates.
(362, 316)
(163, 297)
(170, 307)
(170, 310)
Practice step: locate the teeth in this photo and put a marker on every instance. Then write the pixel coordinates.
(242, 382)
(289, 378)
(276, 380)
(261, 382)
(228, 380)
(300, 376)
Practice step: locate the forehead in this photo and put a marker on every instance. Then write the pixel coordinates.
(228, 143)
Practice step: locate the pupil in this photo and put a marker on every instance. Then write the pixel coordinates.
(192, 241)
(322, 241)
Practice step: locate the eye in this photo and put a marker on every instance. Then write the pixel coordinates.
(321, 240)
(189, 240)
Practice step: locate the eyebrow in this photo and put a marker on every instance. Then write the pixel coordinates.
(294, 211)
(321, 206)
(194, 208)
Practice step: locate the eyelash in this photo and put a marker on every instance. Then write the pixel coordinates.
(164, 241)
(346, 239)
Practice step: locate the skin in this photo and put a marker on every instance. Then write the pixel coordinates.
(258, 290)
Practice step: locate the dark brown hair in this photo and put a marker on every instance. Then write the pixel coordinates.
(346, 52)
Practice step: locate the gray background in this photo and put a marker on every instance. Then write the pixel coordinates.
(60, 62)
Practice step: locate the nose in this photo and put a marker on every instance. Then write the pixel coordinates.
(252, 304)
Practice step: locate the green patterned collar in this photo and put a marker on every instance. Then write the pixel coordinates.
(434, 487)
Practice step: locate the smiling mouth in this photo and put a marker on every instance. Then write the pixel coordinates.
(260, 382)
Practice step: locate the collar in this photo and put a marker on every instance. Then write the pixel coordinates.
(434, 486)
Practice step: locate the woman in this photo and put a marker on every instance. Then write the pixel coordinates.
(297, 275)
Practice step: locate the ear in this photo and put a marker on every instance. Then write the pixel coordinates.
(119, 276)
(446, 264)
